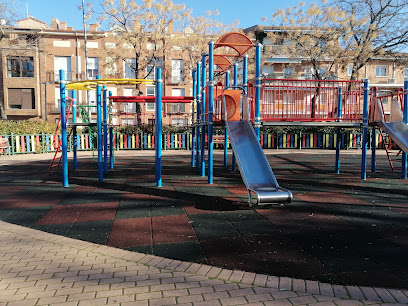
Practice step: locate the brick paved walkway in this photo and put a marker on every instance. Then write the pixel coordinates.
(39, 268)
(338, 230)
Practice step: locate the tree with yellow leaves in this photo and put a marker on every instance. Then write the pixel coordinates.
(340, 32)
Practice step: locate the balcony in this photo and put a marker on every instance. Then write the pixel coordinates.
(54, 76)
(52, 109)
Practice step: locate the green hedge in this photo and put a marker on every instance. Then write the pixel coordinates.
(35, 126)
(30, 126)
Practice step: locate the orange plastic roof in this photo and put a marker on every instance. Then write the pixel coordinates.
(222, 62)
(237, 41)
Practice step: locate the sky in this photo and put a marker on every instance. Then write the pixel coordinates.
(245, 11)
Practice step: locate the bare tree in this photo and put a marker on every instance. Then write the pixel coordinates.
(311, 34)
(373, 28)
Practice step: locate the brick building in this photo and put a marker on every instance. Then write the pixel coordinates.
(32, 53)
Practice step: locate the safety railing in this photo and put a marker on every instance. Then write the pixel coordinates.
(311, 100)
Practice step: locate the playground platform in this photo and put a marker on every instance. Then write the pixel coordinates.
(341, 241)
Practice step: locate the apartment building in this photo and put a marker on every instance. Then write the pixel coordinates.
(380, 70)
(33, 52)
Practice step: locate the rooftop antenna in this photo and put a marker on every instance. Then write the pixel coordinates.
(27, 10)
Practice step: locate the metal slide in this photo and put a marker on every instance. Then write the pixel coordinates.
(253, 165)
(397, 130)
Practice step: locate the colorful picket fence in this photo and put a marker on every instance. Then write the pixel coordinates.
(42, 143)
(310, 141)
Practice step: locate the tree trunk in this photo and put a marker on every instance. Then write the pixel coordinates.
(3, 115)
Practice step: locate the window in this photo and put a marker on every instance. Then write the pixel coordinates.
(129, 107)
(110, 65)
(57, 91)
(323, 71)
(64, 63)
(177, 108)
(20, 67)
(177, 71)
(349, 69)
(267, 71)
(130, 68)
(21, 98)
(128, 121)
(91, 94)
(151, 121)
(289, 71)
(93, 67)
(150, 91)
(178, 121)
(381, 71)
(308, 72)
(405, 72)
(151, 67)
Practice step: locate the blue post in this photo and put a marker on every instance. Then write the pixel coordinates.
(227, 76)
(158, 128)
(99, 128)
(64, 130)
(244, 77)
(257, 119)
(365, 128)
(111, 144)
(338, 140)
(373, 149)
(198, 110)
(235, 83)
(405, 121)
(210, 110)
(193, 134)
(75, 138)
(203, 83)
(105, 130)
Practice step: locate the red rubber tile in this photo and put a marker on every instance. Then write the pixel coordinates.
(169, 229)
(130, 232)
(10, 190)
(98, 212)
(330, 198)
(62, 214)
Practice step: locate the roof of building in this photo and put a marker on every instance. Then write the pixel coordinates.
(33, 23)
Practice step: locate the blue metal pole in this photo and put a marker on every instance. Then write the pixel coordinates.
(64, 130)
(338, 140)
(244, 77)
(203, 102)
(365, 128)
(99, 128)
(257, 119)
(111, 144)
(373, 146)
(227, 76)
(158, 128)
(75, 139)
(235, 83)
(373, 149)
(105, 130)
(210, 110)
(198, 110)
(193, 130)
(405, 121)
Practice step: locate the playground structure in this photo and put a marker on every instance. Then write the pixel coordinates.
(103, 122)
(340, 104)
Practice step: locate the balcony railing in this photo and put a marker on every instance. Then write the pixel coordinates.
(54, 76)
